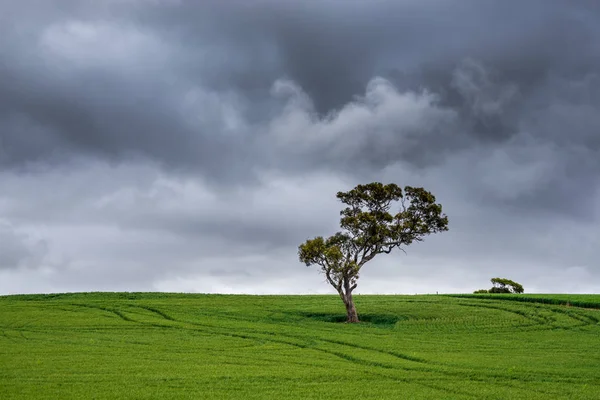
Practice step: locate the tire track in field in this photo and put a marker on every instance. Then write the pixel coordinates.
(7, 328)
(520, 313)
(398, 355)
(541, 322)
(269, 336)
(456, 372)
(576, 314)
(353, 359)
(581, 304)
(389, 371)
(157, 312)
(4, 334)
(16, 332)
(262, 336)
(109, 310)
(16, 336)
(373, 349)
(558, 308)
(580, 317)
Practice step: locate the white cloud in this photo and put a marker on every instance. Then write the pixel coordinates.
(383, 118)
(96, 44)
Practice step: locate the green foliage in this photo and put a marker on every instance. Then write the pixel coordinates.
(369, 229)
(174, 346)
(503, 285)
(370, 225)
(496, 289)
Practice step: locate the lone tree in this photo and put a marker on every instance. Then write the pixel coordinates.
(503, 285)
(369, 229)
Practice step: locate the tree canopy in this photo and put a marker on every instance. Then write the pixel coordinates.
(369, 229)
(503, 285)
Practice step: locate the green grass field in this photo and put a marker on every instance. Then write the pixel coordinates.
(575, 300)
(155, 346)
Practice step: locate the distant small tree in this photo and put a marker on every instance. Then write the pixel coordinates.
(369, 229)
(503, 285)
(481, 291)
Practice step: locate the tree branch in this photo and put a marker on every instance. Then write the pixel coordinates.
(332, 282)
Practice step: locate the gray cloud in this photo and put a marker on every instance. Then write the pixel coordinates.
(18, 250)
(200, 142)
(162, 77)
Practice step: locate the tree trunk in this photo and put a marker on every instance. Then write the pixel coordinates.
(350, 308)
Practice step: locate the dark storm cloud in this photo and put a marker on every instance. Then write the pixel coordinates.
(106, 114)
(113, 80)
(189, 133)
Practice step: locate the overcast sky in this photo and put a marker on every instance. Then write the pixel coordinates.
(163, 145)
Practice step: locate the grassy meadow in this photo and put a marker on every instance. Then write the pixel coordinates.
(187, 346)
